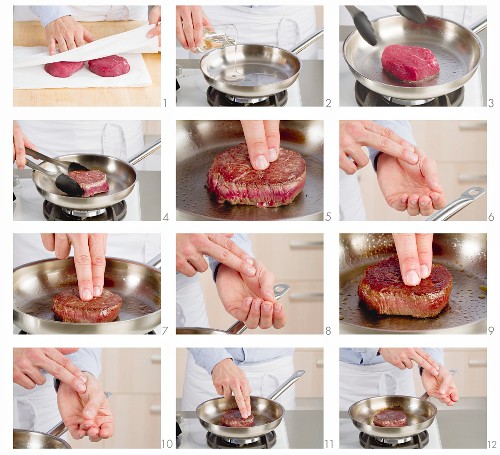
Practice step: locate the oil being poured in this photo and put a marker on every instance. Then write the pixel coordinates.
(232, 74)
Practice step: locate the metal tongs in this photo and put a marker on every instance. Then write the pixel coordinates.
(365, 28)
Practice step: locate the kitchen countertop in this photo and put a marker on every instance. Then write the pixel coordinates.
(31, 33)
(304, 428)
(311, 79)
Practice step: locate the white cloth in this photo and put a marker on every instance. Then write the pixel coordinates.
(89, 13)
(190, 303)
(351, 206)
(358, 382)
(264, 379)
(122, 139)
(135, 247)
(282, 26)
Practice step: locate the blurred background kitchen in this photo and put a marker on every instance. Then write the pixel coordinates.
(459, 149)
(301, 427)
(133, 377)
(296, 260)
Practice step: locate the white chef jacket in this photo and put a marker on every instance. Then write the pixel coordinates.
(87, 13)
(283, 26)
(36, 409)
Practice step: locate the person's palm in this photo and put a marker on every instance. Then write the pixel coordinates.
(402, 184)
(432, 385)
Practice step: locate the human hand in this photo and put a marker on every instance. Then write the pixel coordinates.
(415, 256)
(28, 363)
(190, 249)
(263, 141)
(441, 387)
(250, 300)
(353, 134)
(20, 141)
(411, 187)
(87, 413)
(229, 380)
(89, 256)
(155, 18)
(190, 21)
(403, 357)
(66, 33)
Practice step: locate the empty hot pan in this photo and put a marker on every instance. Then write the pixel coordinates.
(464, 255)
(138, 284)
(199, 142)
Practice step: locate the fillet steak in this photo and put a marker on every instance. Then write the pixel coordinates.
(231, 178)
(382, 289)
(63, 69)
(91, 182)
(110, 66)
(68, 307)
(409, 63)
(232, 418)
(390, 418)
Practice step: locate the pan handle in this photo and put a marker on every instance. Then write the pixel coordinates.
(425, 396)
(239, 327)
(308, 41)
(146, 152)
(286, 385)
(155, 262)
(38, 168)
(458, 204)
(480, 25)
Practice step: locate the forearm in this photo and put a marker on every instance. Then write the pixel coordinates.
(208, 358)
(47, 14)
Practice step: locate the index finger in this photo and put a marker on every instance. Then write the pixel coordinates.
(387, 141)
(406, 248)
(241, 402)
(424, 360)
(62, 368)
(83, 266)
(97, 244)
(225, 251)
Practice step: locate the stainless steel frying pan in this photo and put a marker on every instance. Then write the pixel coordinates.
(267, 413)
(463, 254)
(458, 204)
(457, 49)
(138, 284)
(121, 179)
(237, 328)
(420, 414)
(198, 142)
(264, 70)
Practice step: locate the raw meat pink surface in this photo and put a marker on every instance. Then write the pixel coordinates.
(409, 63)
(63, 69)
(110, 66)
(92, 182)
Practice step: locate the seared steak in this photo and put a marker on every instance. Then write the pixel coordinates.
(110, 66)
(232, 178)
(232, 418)
(68, 307)
(409, 63)
(63, 69)
(382, 289)
(92, 182)
(390, 418)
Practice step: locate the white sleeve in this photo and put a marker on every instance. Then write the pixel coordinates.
(47, 14)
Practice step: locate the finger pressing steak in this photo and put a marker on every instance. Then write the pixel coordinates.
(232, 418)
(232, 178)
(390, 418)
(382, 289)
(409, 63)
(91, 182)
(110, 66)
(68, 307)
(63, 69)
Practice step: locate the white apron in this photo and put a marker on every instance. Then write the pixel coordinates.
(190, 303)
(351, 206)
(264, 379)
(122, 139)
(282, 26)
(92, 13)
(357, 382)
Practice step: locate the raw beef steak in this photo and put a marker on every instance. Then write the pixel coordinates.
(409, 63)
(92, 182)
(390, 418)
(69, 308)
(382, 289)
(232, 418)
(63, 69)
(110, 66)
(232, 178)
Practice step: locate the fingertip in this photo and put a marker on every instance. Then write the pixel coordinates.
(412, 278)
(260, 163)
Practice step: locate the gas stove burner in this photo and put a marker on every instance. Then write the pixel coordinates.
(368, 98)
(53, 212)
(218, 98)
(266, 441)
(417, 441)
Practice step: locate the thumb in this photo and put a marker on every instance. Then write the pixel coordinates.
(429, 171)
(87, 36)
(95, 401)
